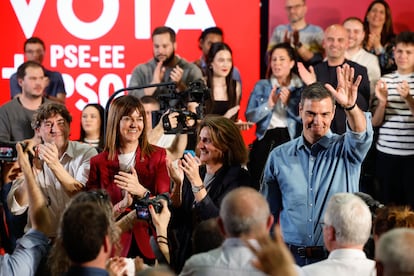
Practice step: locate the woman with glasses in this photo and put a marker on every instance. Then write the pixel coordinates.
(201, 182)
(129, 167)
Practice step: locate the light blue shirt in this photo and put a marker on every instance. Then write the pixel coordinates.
(299, 181)
(258, 111)
(30, 249)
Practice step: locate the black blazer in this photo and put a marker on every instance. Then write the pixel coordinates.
(327, 74)
(189, 214)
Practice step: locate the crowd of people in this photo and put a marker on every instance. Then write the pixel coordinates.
(161, 191)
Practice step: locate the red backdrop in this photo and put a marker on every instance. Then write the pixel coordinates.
(96, 44)
(325, 13)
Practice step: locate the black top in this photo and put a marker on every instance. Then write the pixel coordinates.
(327, 74)
(189, 214)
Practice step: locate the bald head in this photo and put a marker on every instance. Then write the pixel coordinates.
(244, 211)
(335, 44)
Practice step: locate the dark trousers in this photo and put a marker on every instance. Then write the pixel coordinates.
(260, 150)
(395, 177)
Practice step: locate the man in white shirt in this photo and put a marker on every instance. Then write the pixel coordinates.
(357, 53)
(61, 166)
(244, 216)
(346, 228)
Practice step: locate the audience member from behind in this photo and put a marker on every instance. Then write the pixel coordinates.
(346, 228)
(301, 175)
(200, 183)
(207, 38)
(244, 216)
(274, 107)
(92, 126)
(225, 92)
(86, 238)
(335, 44)
(305, 38)
(379, 34)
(166, 66)
(395, 253)
(34, 50)
(130, 167)
(358, 54)
(393, 113)
(34, 245)
(390, 217)
(60, 260)
(207, 236)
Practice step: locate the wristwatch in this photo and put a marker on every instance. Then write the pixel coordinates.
(196, 189)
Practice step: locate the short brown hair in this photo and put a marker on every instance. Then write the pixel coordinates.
(48, 110)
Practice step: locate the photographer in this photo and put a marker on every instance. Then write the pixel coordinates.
(33, 246)
(174, 144)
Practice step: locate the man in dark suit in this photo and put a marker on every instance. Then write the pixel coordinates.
(335, 44)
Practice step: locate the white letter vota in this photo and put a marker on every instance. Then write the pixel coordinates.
(88, 30)
(179, 20)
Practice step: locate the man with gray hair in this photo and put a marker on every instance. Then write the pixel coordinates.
(395, 253)
(244, 216)
(346, 228)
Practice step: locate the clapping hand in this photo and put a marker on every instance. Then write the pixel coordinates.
(381, 92)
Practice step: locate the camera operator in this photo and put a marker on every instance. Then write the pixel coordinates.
(174, 144)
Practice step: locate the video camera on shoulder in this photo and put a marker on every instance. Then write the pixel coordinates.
(177, 102)
(141, 205)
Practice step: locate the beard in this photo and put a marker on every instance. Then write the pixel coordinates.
(169, 61)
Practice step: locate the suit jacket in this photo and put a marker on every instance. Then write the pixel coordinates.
(327, 74)
(152, 174)
(189, 214)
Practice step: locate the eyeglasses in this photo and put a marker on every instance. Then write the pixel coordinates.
(323, 224)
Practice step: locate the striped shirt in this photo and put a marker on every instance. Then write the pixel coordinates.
(396, 134)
